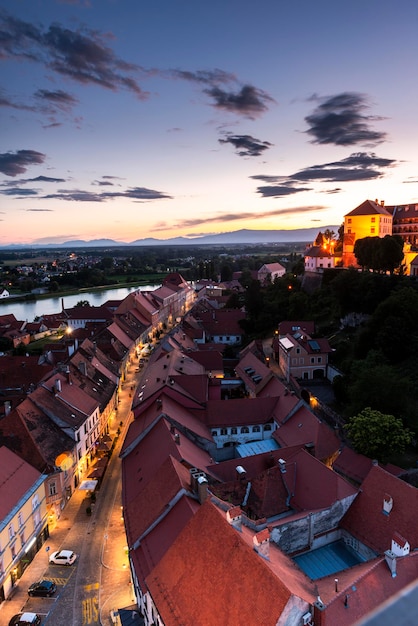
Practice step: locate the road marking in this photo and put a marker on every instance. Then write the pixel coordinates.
(90, 611)
(91, 586)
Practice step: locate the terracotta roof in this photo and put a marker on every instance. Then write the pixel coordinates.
(304, 428)
(192, 582)
(367, 520)
(153, 449)
(16, 478)
(356, 466)
(240, 411)
(156, 543)
(363, 588)
(369, 207)
(155, 498)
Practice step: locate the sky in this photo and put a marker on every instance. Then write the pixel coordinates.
(127, 119)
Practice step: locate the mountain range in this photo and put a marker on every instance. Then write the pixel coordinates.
(244, 236)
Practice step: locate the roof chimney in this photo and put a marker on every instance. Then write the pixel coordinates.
(387, 504)
(234, 517)
(177, 438)
(390, 558)
(261, 543)
(282, 465)
(57, 386)
(7, 407)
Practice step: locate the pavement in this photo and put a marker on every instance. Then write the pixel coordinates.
(115, 572)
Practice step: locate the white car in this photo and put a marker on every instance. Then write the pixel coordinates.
(63, 557)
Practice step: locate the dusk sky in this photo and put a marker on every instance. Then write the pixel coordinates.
(127, 119)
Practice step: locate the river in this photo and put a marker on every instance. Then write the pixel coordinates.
(27, 311)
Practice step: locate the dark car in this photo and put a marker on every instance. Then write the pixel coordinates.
(43, 588)
(25, 619)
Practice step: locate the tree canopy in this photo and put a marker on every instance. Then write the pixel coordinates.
(377, 435)
(379, 254)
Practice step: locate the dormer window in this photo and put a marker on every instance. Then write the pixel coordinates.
(387, 504)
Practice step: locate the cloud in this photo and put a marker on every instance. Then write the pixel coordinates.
(246, 145)
(135, 193)
(358, 166)
(249, 101)
(81, 55)
(340, 120)
(40, 210)
(58, 99)
(14, 163)
(19, 192)
(44, 179)
(207, 77)
(234, 217)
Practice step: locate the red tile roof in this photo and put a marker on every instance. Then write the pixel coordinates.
(366, 519)
(16, 478)
(194, 581)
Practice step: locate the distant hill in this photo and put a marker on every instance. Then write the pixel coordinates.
(244, 236)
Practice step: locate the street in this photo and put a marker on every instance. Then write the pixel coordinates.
(99, 581)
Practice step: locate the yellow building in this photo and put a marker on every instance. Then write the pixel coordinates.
(23, 517)
(369, 219)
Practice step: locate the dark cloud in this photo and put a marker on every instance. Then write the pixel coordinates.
(341, 120)
(41, 210)
(135, 193)
(246, 145)
(207, 77)
(357, 167)
(14, 163)
(45, 179)
(249, 101)
(58, 99)
(279, 191)
(81, 55)
(18, 192)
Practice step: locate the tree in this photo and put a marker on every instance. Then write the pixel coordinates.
(81, 303)
(377, 435)
(379, 254)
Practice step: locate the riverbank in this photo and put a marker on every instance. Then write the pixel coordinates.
(34, 297)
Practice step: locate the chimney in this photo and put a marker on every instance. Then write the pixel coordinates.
(67, 373)
(387, 504)
(282, 465)
(177, 438)
(390, 559)
(382, 203)
(261, 543)
(7, 407)
(240, 471)
(202, 487)
(57, 386)
(234, 517)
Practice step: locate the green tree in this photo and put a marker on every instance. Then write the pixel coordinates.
(82, 303)
(377, 435)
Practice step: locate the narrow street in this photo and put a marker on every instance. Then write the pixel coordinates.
(99, 582)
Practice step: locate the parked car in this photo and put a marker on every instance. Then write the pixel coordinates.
(25, 619)
(62, 557)
(42, 588)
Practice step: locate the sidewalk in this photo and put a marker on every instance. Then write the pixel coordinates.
(115, 572)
